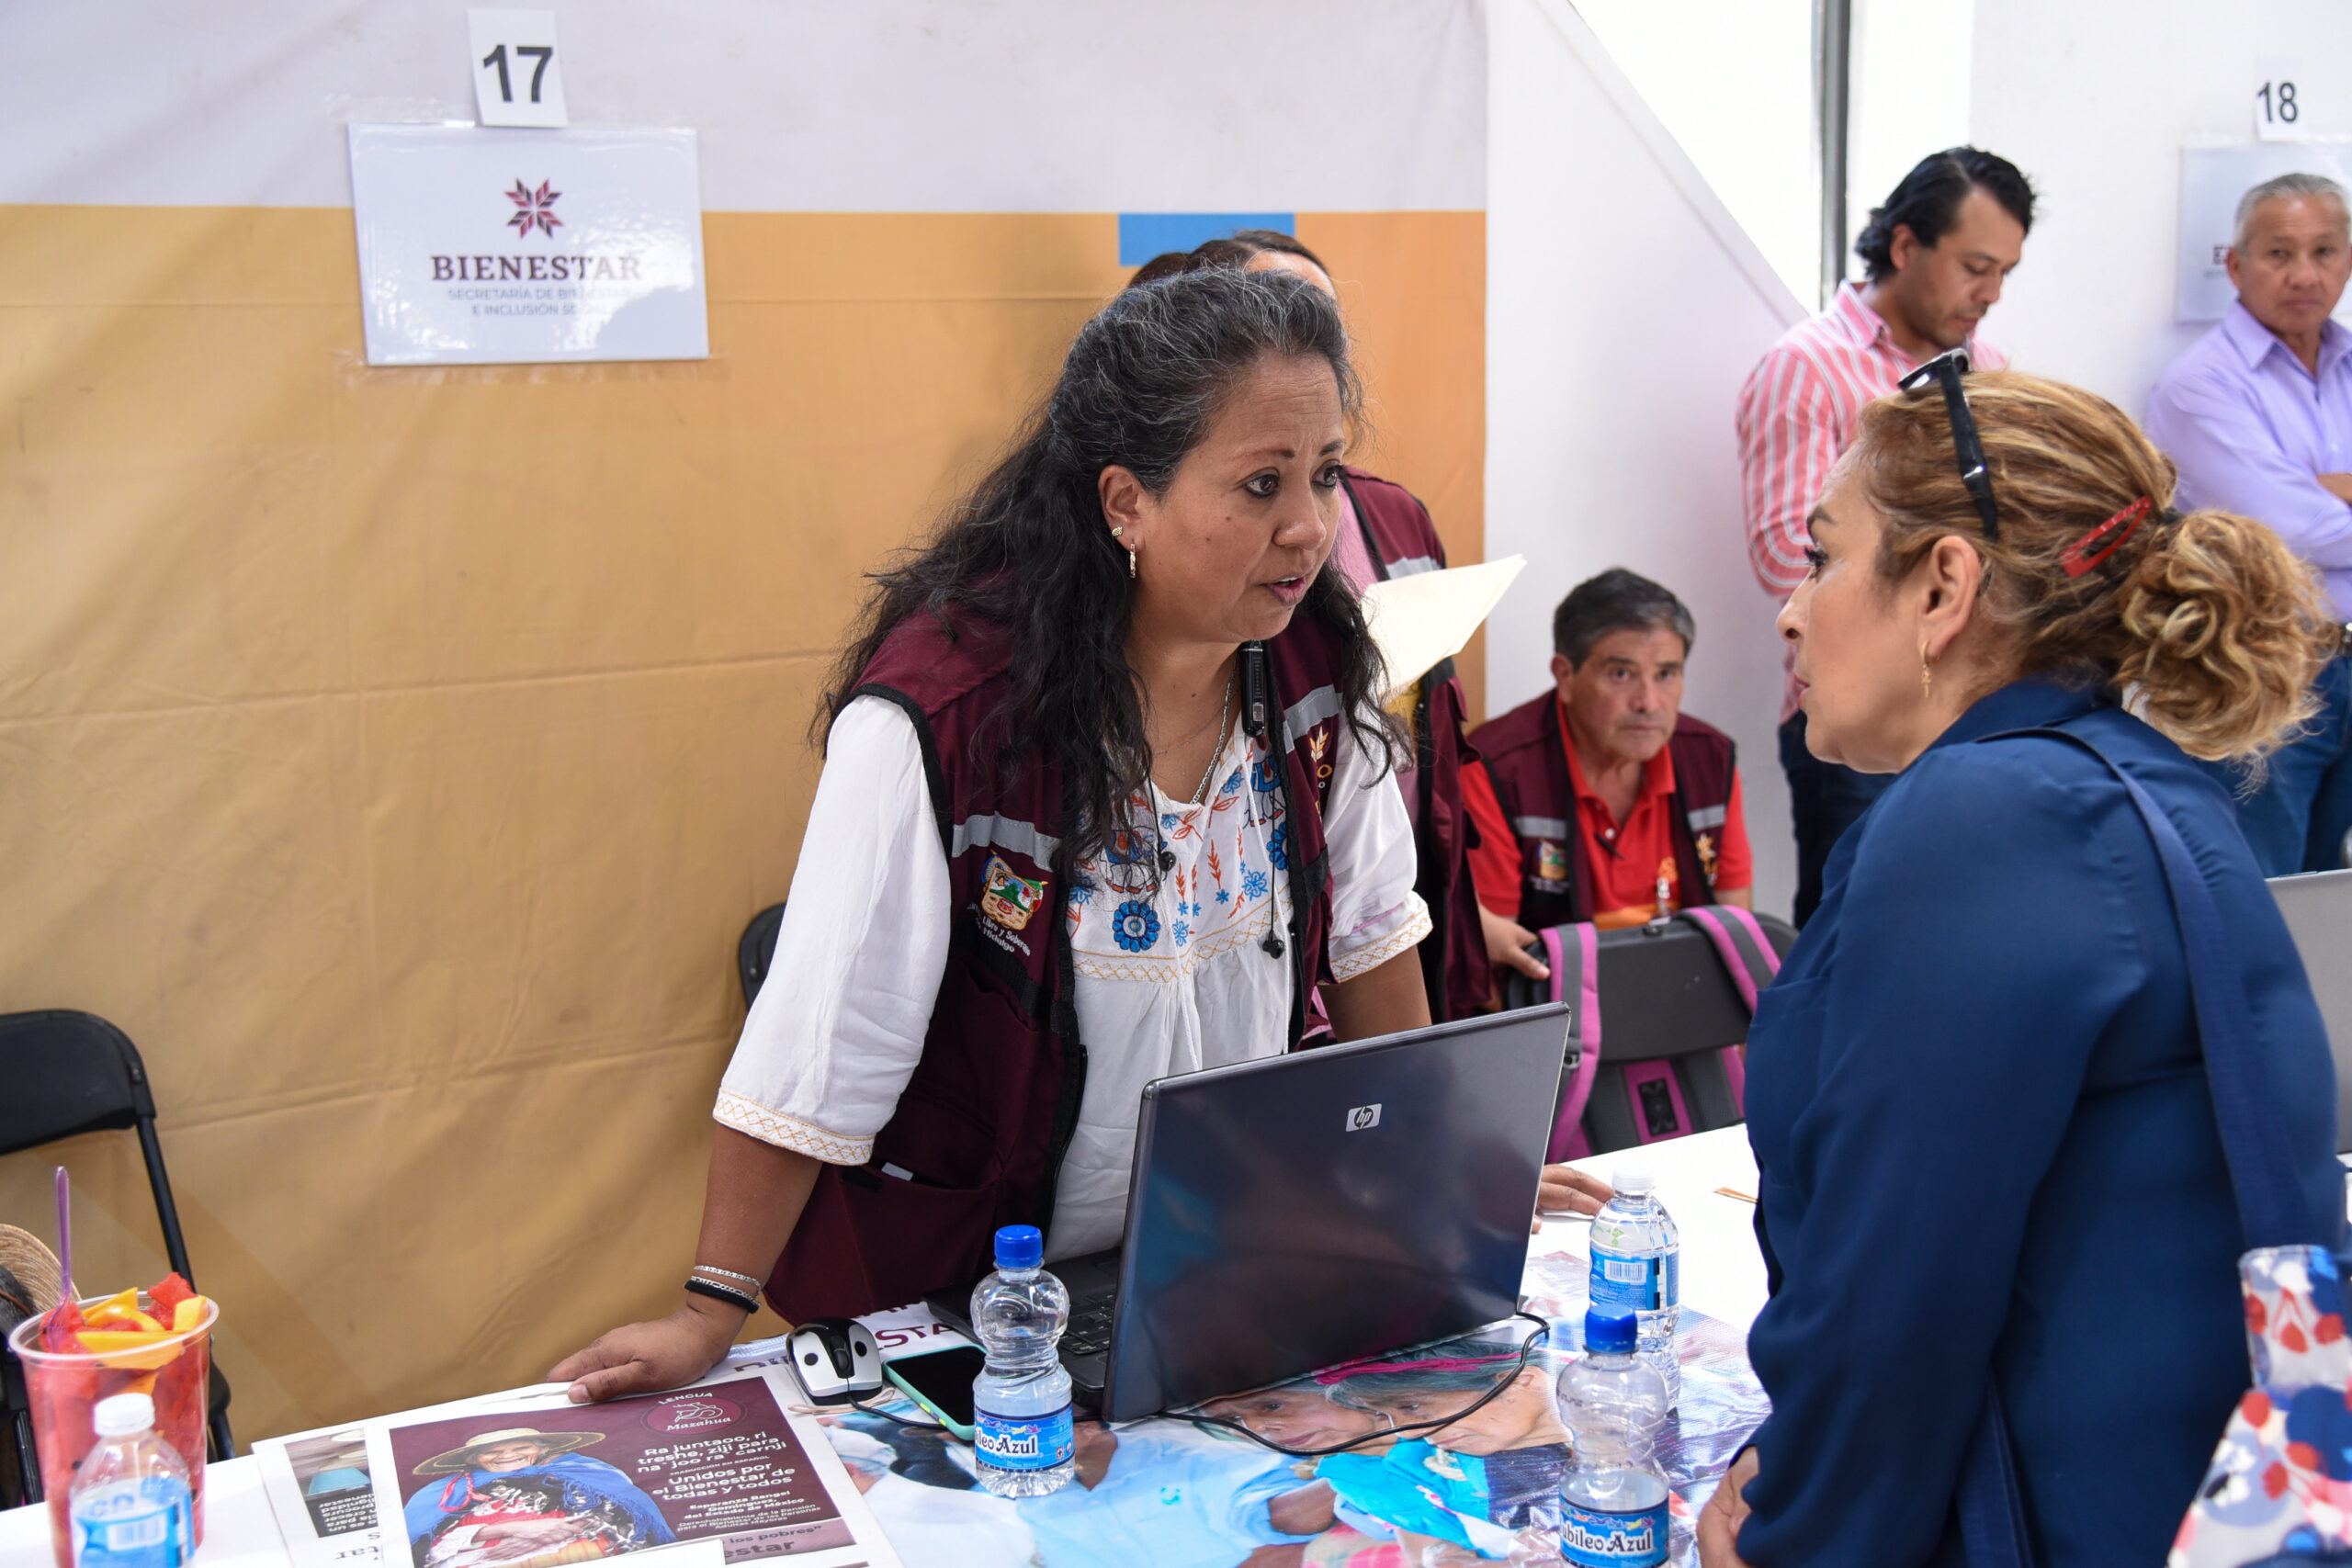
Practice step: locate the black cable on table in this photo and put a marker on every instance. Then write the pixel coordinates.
(918, 1426)
(1526, 1353)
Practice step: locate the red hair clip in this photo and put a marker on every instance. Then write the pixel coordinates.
(2105, 539)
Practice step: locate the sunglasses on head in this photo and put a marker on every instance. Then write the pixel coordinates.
(1945, 369)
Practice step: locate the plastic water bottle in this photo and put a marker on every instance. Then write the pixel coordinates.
(1613, 1499)
(1020, 1400)
(129, 1504)
(1637, 1267)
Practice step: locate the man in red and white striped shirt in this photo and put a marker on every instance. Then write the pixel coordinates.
(1935, 254)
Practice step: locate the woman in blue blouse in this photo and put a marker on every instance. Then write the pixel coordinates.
(1989, 1158)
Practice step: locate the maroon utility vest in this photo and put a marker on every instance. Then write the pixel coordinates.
(1523, 756)
(977, 1136)
(1453, 959)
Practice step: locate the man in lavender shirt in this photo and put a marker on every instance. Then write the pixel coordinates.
(2258, 416)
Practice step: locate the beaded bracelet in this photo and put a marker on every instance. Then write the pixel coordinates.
(726, 1274)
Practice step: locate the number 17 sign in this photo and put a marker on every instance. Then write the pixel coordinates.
(517, 80)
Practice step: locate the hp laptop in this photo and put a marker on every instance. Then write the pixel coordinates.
(1310, 1208)
(2318, 908)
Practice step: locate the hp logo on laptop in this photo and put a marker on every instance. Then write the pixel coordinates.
(1362, 1118)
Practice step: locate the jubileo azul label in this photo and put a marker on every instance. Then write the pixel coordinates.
(495, 246)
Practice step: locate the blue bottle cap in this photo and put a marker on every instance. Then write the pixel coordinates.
(1610, 1333)
(1019, 1246)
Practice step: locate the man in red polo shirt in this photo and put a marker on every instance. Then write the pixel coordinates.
(1601, 800)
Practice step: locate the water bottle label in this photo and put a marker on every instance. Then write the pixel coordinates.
(1024, 1442)
(133, 1524)
(1625, 1284)
(1613, 1540)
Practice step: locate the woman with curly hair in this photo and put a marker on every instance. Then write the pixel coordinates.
(1104, 796)
(1994, 1203)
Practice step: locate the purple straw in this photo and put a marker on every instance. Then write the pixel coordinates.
(65, 1231)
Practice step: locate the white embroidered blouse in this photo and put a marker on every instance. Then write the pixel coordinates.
(1169, 980)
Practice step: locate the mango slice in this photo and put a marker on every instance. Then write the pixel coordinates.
(131, 1348)
(110, 1316)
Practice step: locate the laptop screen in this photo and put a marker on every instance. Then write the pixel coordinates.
(2318, 908)
(1299, 1212)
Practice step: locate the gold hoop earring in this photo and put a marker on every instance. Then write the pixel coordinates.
(1131, 563)
(1926, 675)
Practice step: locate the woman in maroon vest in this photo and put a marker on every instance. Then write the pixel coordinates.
(1097, 807)
(1385, 532)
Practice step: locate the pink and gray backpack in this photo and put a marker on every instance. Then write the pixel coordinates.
(1674, 997)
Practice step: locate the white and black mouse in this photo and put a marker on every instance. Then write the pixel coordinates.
(836, 1361)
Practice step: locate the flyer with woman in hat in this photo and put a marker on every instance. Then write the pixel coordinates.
(721, 1471)
(518, 1497)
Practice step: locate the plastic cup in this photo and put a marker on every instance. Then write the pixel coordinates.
(63, 1387)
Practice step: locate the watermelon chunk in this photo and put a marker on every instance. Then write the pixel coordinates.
(168, 1295)
(62, 1327)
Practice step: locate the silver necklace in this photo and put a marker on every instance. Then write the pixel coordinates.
(1194, 733)
(1217, 755)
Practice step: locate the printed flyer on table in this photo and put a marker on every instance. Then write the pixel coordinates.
(728, 1470)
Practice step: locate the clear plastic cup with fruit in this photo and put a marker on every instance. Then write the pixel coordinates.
(157, 1342)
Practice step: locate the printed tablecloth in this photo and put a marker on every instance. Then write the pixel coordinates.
(1184, 1494)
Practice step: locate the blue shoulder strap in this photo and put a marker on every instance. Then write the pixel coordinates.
(2271, 1206)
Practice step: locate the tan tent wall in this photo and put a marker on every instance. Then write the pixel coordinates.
(396, 754)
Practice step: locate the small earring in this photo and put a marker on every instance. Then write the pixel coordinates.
(1116, 532)
(1927, 676)
(1131, 563)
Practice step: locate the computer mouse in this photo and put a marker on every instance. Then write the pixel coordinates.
(836, 1361)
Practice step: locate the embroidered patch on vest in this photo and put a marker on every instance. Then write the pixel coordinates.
(1551, 862)
(1706, 845)
(1007, 899)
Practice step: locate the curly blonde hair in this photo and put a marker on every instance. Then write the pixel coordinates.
(2207, 625)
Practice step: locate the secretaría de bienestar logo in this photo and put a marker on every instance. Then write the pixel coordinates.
(534, 208)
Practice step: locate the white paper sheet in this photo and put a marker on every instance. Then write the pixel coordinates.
(1415, 621)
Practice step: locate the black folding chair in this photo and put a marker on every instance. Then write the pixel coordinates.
(757, 950)
(19, 1476)
(69, 1073)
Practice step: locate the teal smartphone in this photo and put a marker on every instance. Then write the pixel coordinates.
(941, 1381)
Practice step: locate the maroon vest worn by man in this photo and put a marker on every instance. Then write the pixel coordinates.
(977, 1136)
(1523, 755)
(1453, 958)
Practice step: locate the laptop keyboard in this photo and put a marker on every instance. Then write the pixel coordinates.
(1088, 1333)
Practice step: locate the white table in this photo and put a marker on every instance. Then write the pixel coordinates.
(1723, 1270)
(1723, 1276)
(238, 1529)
